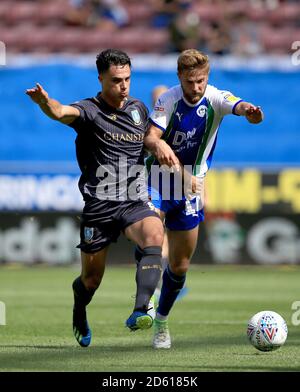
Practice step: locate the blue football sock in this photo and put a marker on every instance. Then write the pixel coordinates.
(172, 284)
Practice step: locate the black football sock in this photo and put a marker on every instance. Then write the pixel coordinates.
(147, 276)
(138, 254)
(82, 296)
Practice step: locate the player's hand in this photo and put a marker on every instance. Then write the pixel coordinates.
(197, 185)
(194, 186)
(254, 114)
(38, 94)
(166, 156)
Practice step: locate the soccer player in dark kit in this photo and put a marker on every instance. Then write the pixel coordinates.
(109, 146)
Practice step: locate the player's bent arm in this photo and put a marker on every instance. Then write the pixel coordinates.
(253, 113)
(159, 148)
(64, 113)
(153, 139)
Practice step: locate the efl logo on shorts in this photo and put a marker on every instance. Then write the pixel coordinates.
(88, 234)
(2, 53)
(151, 206)
(2, 313)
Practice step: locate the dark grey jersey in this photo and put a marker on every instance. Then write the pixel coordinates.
(109, 148)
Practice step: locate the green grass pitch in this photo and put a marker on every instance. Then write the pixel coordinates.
(208, 325)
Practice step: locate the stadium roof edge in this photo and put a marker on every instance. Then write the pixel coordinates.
(157, 62)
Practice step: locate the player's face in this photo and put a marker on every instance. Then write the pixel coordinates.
(115, 84)
(193, 83)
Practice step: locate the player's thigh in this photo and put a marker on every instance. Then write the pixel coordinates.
(182, 244)
(146, 232)
(93, 264)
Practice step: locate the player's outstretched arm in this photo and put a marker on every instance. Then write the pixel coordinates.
(159, 148)
(253, 113)
(52, 108)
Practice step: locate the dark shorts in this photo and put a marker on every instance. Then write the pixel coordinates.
(102, 221)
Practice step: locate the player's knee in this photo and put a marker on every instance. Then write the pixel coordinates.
(154, 239)
(182, 268)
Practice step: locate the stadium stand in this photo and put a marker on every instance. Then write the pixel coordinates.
(91, 25)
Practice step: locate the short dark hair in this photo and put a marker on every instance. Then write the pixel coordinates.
(111, 57)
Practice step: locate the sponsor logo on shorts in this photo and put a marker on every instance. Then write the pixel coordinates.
(151, 205)
(88, 234)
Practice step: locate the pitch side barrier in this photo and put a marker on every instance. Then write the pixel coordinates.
(252, 216)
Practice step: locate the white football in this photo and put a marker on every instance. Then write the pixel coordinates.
(267, 330)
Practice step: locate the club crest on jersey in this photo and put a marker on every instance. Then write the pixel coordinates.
(136, 116)
(88, 234)
(201, 111)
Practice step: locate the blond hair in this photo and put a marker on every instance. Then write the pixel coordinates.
(192, 58)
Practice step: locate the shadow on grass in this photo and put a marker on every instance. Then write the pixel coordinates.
(139, 356)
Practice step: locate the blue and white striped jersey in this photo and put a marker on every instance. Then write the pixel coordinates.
(191, 130)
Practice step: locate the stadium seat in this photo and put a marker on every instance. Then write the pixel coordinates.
(52, 12)
(139, 13)
(287, 13)
(278, 40)
(208, 12)
(4, 9)
(142, 40)
(42, 26)
(38, 39)
(20, 12)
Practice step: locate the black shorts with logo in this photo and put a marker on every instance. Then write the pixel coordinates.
(102, 221)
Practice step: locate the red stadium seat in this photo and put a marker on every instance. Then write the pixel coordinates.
(287, 13)
(52, 12)
(278, 40)
(20, 12)
(5, 7)
(139, 13)
(208, 12)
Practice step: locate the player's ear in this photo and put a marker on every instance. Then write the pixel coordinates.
(100, 78)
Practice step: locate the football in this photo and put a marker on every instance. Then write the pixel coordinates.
(267, 330)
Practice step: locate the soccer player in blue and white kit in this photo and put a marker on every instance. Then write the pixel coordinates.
(183, 135)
